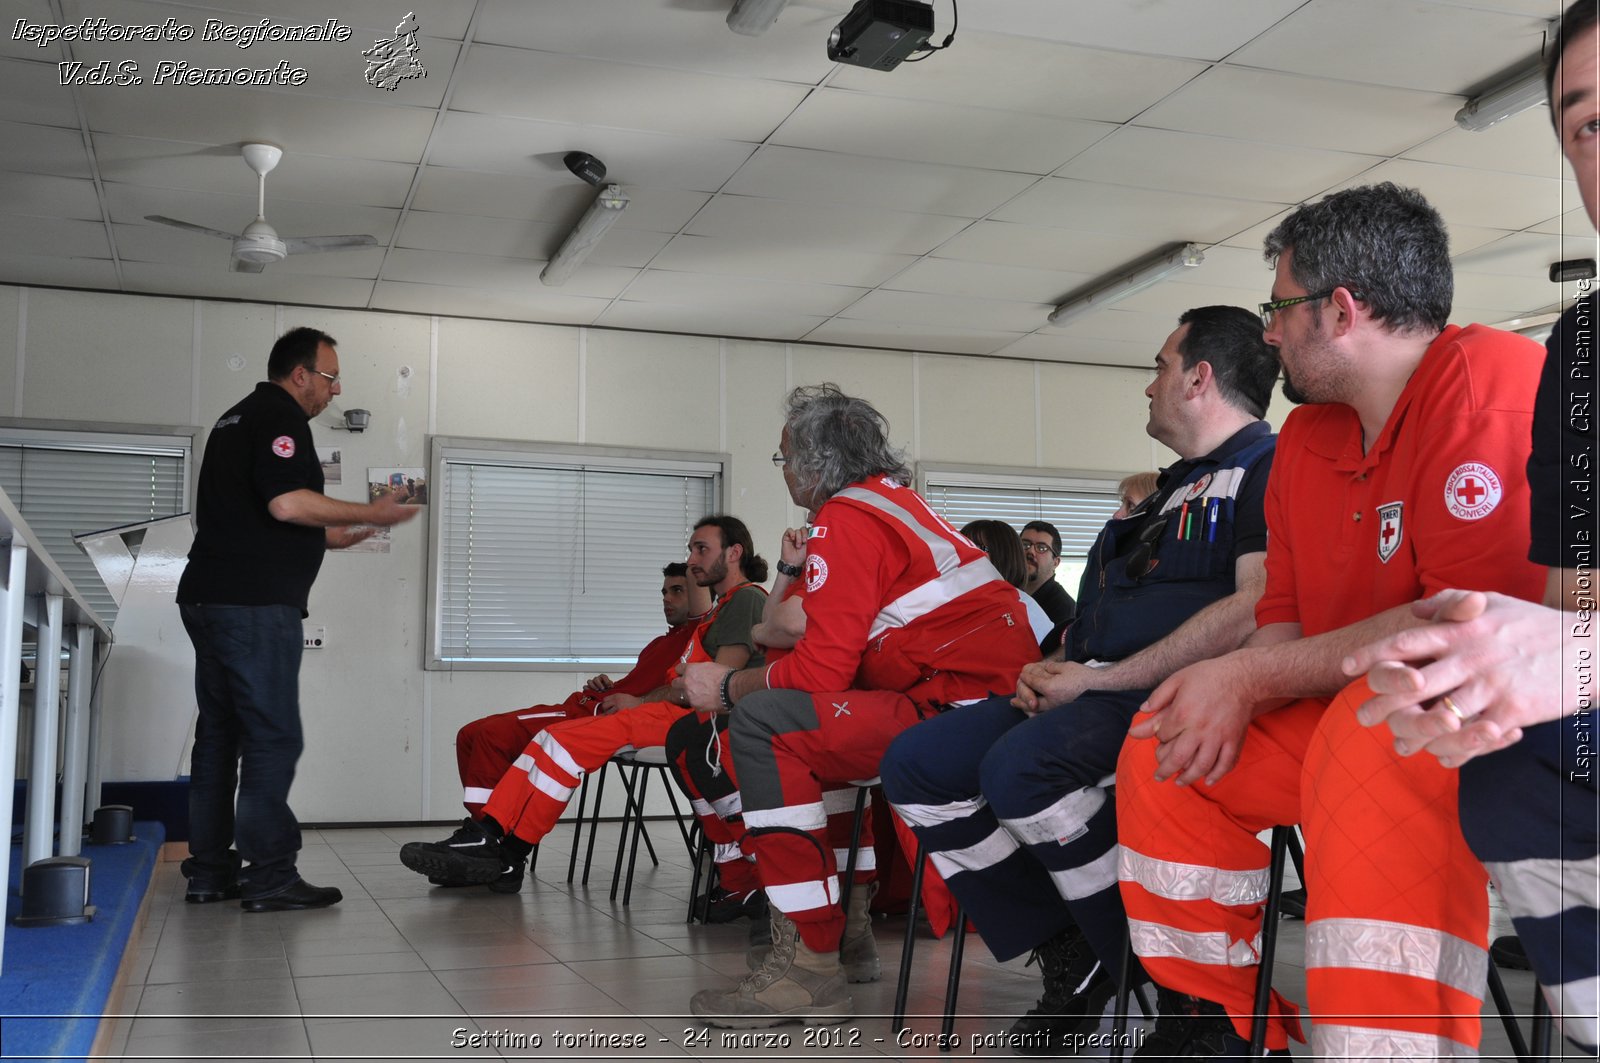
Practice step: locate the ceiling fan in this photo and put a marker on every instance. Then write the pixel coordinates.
(260, 245)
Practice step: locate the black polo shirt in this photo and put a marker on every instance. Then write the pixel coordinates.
(1566, 449)
(242, 555)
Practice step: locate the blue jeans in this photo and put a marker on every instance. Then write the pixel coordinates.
(246, 742)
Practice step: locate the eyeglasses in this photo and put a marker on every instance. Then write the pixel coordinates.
(1038, 547)
(778, 459)
(1140, 562)
(332, 378)
(1269, 311)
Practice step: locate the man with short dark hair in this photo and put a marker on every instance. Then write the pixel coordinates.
(1041, 551)
(1399, 477)
(1008, 796)
(492, 848)
(262, 524)
(487, 746)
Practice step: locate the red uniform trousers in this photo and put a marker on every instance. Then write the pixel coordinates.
(1397, 912)
(484, 747)
(529, 798)
(720, 810)
(788, 742)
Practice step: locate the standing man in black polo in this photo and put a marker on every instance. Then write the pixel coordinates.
(261, 526)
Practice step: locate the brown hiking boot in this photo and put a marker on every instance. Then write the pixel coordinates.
(793, 984)
(858, 949)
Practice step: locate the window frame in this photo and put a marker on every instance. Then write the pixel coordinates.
(443, 450)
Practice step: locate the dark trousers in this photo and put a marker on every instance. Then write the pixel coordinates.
(246, 743)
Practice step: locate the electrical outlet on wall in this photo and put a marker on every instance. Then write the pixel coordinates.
(316, 637)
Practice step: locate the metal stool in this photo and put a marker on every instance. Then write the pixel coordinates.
(957, 949)
(635, 786)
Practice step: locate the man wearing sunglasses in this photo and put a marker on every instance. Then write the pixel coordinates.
(1398, 478)
(1007, 795)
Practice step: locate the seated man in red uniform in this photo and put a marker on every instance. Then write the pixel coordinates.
(493, 847)
(1399, 477)
(904, 617)
(486, 747)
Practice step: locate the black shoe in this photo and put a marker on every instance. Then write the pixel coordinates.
(1076, 988)
(1190, 1028)
(725, 907)
(510, 880)
(469, 857)
(208, 894)
(1507, 952)
(293, 898)
(1293, 904)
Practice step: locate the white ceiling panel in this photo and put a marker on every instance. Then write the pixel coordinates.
(1150, 331)
(1084, 350)
(556, 309)
(66, 237)
(1572, 222)
(44, 196)
(992, 315)
(43, 149)
(514, 274)
(36, 13)
(1515, 292)
(1171, 300)
(710, 321)
(1265, 105)
(921, 131)
(1527, 254)
(947, 276)
(826, 177)
(221, 114)
(1524, 143)
(579, 91)
(741, 293)
(1185, 162)
(1228, 267)
(1203, 29)
(1033, 247)
(1091, 206)
(32, 92)
(520, 145)
(559, 198)
(18, 268)
(1409, 44)
(1477, 197)
(672, 33)
(1031, 76)
(908, 336)
(312, 290)
(500, 237)
(742, 258)
(221, 169)
(809, 225)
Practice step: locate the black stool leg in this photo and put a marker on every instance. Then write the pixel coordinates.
(1502, 1004)
(1269, 941)
(701, 852)
(594, 825)
(855, 845)
(1543, 1024)
(629, 810)
(638, 828)
(1119, 1018)
(903, 986)
(677, 814)
(577, 829)
(953, 982)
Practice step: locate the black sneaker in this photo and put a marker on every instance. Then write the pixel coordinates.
(1076, 988)
(511, 873)
(725, 907)
(469, 857)
(1190, 1028)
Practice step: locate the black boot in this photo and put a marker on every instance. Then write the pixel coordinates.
(1190, 1028)
(1076, 988)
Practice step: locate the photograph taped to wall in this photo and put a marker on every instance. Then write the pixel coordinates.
(409, 485)
(331, 459)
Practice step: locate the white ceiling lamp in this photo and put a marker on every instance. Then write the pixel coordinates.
(1510, 97)
(752, 18)
(1144, 274)
(593, 226)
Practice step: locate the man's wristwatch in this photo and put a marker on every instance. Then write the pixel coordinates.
(727, 699)
(792, 571)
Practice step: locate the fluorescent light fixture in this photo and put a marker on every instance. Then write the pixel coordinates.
(754, 17)
(595, 223)
(1145, 274)
(1510, 97)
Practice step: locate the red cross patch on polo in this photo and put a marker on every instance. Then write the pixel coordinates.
(1472, 491)
(283, 446)
(1391, 529)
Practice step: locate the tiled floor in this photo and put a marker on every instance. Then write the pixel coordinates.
(400, 970)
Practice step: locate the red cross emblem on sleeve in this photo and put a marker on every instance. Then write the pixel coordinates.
(1472, 491)
(283, 446)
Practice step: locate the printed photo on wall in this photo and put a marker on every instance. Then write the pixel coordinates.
(330, 458)
(410, 486)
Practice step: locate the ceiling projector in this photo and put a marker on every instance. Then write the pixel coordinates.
(881, 33)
